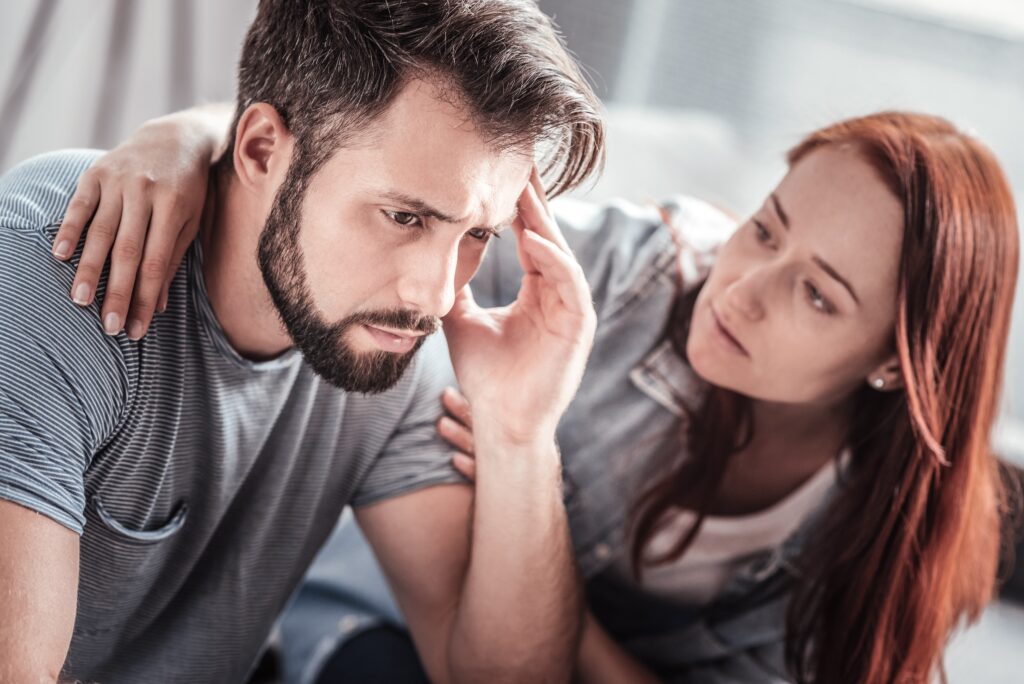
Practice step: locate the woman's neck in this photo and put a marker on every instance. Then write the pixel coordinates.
(790, 444)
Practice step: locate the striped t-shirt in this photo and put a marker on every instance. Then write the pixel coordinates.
(202, 483)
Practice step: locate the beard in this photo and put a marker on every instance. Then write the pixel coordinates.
(323, 344)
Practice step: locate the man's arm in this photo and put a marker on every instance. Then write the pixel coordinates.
(512, 610)
(39, 580)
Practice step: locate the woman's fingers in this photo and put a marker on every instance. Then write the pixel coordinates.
(456, 434)
(457, 405)
(153, 269)
(124, 263)
(180, 247)
(465, 464)
(80, 210)
(99, 239)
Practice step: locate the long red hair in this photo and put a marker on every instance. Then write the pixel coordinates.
(911, 544)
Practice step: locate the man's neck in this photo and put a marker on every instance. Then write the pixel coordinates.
(230, 238)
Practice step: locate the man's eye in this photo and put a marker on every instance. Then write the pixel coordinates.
(403, 218)
(481, 234)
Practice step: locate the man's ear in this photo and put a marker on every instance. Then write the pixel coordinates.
(886, 376)
(263, 146)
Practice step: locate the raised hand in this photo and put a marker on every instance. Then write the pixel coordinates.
(520, 365)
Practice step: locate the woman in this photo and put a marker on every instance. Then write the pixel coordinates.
(778, 464)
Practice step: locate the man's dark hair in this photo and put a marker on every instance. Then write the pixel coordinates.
(329, 67)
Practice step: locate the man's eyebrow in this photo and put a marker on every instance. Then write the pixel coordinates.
(419, 206)
(783, 216)
(835, 274)
(422, 208)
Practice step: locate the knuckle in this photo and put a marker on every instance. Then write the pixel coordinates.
(117, 297)
(81, 202)
(87, 272)
(141, 184)
(127, 249)
(103, 230)
(143, 302)
(153, 269)
(178, 201)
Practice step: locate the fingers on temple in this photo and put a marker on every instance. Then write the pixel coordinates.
(560, 270)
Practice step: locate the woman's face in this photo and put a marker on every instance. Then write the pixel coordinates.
(801, 303)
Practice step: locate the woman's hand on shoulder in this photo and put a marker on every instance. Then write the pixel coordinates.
(142, 203)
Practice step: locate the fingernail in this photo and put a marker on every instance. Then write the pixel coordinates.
(112, 324)
(81, 295)
(63, 249)
(135, 329)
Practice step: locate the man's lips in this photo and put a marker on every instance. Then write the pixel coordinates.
(727, 334)
(395, 341)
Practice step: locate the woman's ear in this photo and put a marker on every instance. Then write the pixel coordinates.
(887, 376)
(263, 146)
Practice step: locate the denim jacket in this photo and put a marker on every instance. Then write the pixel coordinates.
(629, 401)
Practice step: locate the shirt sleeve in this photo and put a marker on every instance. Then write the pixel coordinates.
(64, 382)
(415, 456)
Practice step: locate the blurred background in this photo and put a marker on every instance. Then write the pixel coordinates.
(703, 96)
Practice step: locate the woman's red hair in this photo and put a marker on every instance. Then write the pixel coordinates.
(911, 545)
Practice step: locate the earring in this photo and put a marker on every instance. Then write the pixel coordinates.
(878, 383)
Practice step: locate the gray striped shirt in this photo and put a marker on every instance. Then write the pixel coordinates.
(202, 483)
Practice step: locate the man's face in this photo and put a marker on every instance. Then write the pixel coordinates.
(363, 264)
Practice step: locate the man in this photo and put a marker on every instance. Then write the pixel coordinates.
(160, 498)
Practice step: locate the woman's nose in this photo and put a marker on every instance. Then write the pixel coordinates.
(745, 295)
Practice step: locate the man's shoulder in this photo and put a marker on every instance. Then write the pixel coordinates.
(35, 193)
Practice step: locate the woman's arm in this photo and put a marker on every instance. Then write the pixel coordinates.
(142, 202)
(602, 661)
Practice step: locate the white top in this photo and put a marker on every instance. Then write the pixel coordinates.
(725, 545)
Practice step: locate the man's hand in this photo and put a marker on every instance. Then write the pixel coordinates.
(520, 365)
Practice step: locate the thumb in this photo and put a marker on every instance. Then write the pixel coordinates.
(463, 308)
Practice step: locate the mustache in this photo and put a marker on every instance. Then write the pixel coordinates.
(401, 319)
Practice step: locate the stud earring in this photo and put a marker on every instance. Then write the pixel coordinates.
(878, 383)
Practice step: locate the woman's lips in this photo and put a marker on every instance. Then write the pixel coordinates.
(725, 335)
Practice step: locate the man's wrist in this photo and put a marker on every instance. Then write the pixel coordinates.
(511, 433)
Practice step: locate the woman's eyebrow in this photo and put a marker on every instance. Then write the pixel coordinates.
(783, 216)
(825, 266)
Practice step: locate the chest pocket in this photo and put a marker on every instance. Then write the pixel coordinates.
(124, 580)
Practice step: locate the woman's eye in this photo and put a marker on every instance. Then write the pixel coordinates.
(481, 234)
(403, 218)
(818, 300)
(763, 236)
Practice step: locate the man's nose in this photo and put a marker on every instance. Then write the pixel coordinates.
(427, 282)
